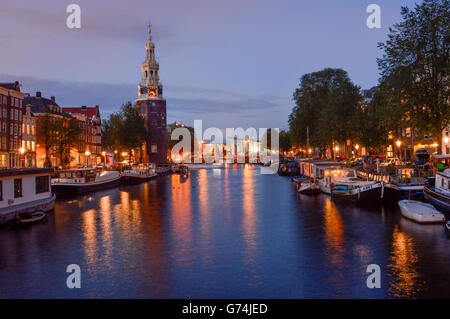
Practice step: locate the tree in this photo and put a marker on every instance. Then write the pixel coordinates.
(45, 130)
(327, 103)
(285, 143)
(415, 67)
(124, 130)
(132, 130)
(66, 133)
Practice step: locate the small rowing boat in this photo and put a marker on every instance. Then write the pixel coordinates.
(420, 212)
(31, 217)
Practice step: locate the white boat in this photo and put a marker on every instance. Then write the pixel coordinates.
(84, 180)
(331, 176)
(139, 173)
(25, 190)
(420, 212)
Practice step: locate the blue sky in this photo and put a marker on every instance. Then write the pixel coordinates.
(230, 63)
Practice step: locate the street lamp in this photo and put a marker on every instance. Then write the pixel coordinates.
(398, 143)
(22, 151)
(87, 153)
(104, 156)
(356, 148)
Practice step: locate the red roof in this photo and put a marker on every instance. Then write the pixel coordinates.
(88, 111)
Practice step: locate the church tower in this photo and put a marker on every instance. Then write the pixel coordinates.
(152, 106)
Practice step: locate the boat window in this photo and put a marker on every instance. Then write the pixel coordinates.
(42, 184)
(17, 187)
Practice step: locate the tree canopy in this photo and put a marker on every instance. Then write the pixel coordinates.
(414, 67)
(124, 130)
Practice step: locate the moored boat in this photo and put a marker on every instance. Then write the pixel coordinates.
(84, 180)
(358, 191)
(438, 193)
(308, 188)
(420, 212)
(30, 217)
(25, 190)
(139, 173)
(330, 176)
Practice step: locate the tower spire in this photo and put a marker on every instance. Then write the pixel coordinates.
(150, 86)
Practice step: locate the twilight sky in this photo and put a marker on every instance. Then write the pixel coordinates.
(230, 63)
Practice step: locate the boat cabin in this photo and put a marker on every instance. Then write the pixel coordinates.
(82, 175)
(24, 190)
(442, 182)
(315, 168)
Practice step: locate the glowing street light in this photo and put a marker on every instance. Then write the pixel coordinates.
(87, 153)
(398, 143)
(356, 146)
(21, 150)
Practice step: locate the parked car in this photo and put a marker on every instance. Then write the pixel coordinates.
(393, 161)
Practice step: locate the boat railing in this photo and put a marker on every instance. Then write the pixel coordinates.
(69, 180)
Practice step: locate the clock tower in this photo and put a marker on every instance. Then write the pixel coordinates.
(152, 106)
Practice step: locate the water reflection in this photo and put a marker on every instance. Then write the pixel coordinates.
(249, 215)
(404, 263)
(237, 234)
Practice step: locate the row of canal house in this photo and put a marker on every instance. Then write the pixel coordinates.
(21, 118)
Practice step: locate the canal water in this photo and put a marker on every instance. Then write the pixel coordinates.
(231, 233)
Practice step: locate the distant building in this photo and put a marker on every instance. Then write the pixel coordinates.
(11, 101)
(41, 107)
(89, 150)
(29, 137)
(152, 106)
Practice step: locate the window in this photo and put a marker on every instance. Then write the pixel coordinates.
(1, 190)
(42, 184)
(17, 187)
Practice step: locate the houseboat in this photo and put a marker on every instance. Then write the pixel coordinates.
(406, 184)
(315, 168)
(26, 190)
(329, 176)
(438, 193)
(359, 191)
(139, 173)
(83, 180)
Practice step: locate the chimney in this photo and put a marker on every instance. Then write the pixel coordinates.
(53, 99)
(38, 94)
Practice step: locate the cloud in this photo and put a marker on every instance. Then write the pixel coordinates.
(96, 22)
(183, 102)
